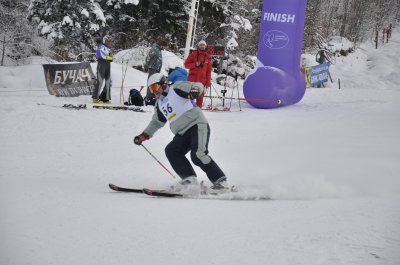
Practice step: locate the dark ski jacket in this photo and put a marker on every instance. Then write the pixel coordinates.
(154, 59)
(102, 52)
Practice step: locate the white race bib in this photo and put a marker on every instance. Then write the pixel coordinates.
(173, 106)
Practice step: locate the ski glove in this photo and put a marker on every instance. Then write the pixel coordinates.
(195, 91)
(194, 94)
(109, 58)
(141, 138)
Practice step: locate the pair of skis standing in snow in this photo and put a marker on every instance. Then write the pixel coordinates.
(191, 129)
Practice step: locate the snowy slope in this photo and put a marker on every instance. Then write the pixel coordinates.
(330, 162)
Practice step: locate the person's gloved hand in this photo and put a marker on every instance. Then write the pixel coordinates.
(141, 138)
(195, 90)
(194, 94)
(109, 58)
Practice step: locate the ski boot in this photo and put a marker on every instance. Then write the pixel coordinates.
(97, 101)
(187, 185)
(221, 186)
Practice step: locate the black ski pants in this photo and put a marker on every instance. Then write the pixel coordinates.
(194, 140)
(103, 75)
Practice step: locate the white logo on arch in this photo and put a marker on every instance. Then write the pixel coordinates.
(275, 39)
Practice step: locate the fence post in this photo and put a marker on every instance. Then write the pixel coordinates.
(376, 39)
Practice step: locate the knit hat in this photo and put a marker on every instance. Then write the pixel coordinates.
(202, 42)
(107, 37)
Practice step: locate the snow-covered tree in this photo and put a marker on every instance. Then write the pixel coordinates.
(15, 31)
(220, 21)
(313, 23)
(70, 25)
(353, 19)
(73, 26)
(133, 22)
(120, 21)
(248, 39)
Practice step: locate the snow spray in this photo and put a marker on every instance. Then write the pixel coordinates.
(277, 78)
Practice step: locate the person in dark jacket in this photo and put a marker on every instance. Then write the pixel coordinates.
(190, 127)
(104, 60)
(199, 65)
(153, 64)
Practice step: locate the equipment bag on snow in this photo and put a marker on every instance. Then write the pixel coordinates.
(135, 98)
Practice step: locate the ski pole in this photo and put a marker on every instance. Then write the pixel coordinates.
(157, 160)
(121, 93)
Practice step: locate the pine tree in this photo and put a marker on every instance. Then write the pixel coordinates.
(15, 32)
(70, 25)
(219, 21)
(145, 21)
(248, 39)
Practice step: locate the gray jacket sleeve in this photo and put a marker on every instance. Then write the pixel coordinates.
(183, 88)
(157, 122)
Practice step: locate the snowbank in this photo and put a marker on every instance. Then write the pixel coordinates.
(330, 163)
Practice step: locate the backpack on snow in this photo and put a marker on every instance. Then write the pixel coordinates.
(135, 98)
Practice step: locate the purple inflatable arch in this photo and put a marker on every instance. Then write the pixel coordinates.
(277, 81)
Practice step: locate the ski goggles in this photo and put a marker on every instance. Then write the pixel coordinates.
(154, 87)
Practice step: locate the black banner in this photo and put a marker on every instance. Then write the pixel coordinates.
(216, 50)
(69, 80)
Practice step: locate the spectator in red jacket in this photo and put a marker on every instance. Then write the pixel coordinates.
(199, 65)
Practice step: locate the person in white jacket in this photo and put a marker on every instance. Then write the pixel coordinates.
(192, 132)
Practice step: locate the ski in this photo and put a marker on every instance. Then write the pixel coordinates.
(136, 109)
(208, 195)
(118, 188)
(205, 193)
(216, 109)
(66, 106)
(85, 107)
(232, 194)
(151, 192)
(162, 193)
(72, 106)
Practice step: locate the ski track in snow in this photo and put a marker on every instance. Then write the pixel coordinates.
(330, 164)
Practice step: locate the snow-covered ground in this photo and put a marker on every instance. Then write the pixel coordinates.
(330, 163)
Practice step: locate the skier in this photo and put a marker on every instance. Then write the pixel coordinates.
(104, 60)
(191, 129)
(199, 65)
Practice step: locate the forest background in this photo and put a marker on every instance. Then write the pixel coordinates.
(68, 30)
